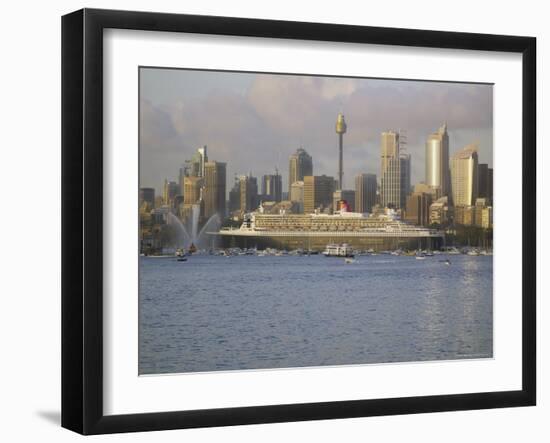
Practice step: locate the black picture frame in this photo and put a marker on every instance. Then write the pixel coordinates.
(82, 215)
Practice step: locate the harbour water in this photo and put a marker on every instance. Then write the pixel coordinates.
(215, 313)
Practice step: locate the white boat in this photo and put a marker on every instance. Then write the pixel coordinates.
(338, 250)
(349, 260)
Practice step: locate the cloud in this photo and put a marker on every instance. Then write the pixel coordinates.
(257, 130)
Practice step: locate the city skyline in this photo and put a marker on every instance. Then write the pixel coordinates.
(184, 110)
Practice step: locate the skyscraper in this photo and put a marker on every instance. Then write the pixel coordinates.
(318, 192)
(485, 181)
(297, 194)
(394, 172)
(147, 195)
(214, 188)
(464, 176)
(405, 166)
(248, 193)
(300, 165)
(169, 191)
(192, 190)
(181, 176)
(437, 161)
(272, 187)
(235, 196)
(418, 208)
(389, 149)
(195, 166)
(341, 129)
(365, 192)
(203, 156)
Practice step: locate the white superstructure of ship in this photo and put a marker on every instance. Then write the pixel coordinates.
(343, 224)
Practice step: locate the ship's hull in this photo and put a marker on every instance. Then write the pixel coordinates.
(319, 241)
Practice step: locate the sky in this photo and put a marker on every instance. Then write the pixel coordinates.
(255, 121)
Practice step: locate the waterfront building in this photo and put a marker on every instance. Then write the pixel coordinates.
(192, 190)
(439, 212)
(464, 215)
(365, 192)
(214, 188)
(147, 195)
(272, 187)
(318, 193)
(395, 172)
(487, 217)
(341, 129)
(300, 165)
(169, 191)
(248, 193)
(437, 161)
(340, 196)
(297, 194)
(418, 208)
(485, 181)
(464, 176)
(483, 213)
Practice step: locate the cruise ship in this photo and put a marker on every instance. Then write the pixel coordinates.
(314, 232)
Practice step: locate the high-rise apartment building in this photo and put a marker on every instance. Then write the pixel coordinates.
(318, 192)
(437, 161)
(464, 165)
(300, 165)
(214, 188)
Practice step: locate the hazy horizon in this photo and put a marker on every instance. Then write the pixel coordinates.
(255, 121)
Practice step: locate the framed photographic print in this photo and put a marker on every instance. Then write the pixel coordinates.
(269, 221)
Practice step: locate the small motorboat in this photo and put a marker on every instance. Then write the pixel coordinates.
(181, 258)
(349, 260)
